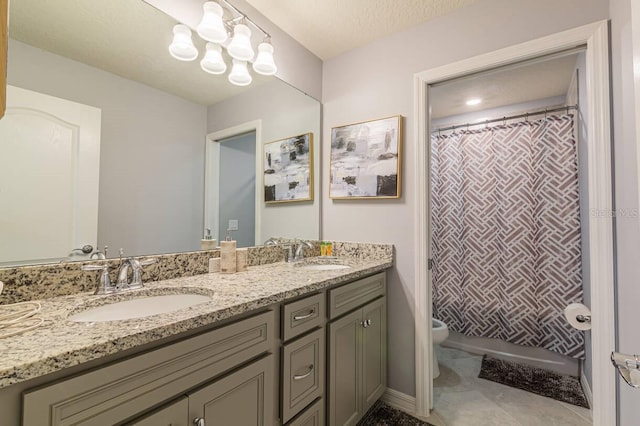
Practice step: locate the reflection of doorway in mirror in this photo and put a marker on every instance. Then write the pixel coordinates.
(237, 194)
(214, 183)
(49, 169)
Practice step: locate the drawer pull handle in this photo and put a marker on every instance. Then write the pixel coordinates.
(305, 375)
(301, 317)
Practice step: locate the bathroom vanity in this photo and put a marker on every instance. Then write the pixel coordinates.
(277, 345)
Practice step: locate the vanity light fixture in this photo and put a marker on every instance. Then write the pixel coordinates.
(217, 30)
(182, 47)
(473, 101)
(239, 74)
(212, 61)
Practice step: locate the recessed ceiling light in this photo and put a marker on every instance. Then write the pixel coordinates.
(474, 101)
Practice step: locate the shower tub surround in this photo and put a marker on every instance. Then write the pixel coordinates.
(59, 343)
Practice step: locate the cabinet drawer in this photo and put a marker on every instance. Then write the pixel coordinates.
(350, 296)
(301, 316)
(119, 391)
(174, 414)
(302, 373)
(312, 416)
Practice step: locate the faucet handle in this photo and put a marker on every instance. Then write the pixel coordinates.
(104, 285)
(146, 262)
(94, 266)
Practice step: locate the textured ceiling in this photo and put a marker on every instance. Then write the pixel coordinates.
(125, 37)
(513, 85)
(330, 27)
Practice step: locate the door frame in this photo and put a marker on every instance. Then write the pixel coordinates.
(212, 179)
(596, 38)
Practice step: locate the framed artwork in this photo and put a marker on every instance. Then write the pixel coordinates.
(366, 159)
(288, 169)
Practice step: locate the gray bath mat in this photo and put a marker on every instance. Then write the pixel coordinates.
(383, 415)
(534, 380)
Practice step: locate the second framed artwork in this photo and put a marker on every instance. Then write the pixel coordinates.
(288, 169)
(366, 159)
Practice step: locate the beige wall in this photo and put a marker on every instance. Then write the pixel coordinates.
(377, 81)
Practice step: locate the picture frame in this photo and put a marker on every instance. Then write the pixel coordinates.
(366, 159)
(288, 169)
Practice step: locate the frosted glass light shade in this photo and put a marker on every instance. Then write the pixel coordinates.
(213, 63)
(182, 47)
(240, 46)
(264, 63)
(239, 74)
(211, 27)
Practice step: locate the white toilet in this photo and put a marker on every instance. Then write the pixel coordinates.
(439, 334)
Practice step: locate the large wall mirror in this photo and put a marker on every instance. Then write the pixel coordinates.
(109, 141)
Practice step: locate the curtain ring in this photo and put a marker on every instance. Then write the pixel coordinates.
(486, 124)
(545, 113)
(526, 117)
(567, 109)
(504, 121)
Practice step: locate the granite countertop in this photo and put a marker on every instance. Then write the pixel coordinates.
(59, 343)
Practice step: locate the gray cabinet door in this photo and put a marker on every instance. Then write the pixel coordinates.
(243, 398)
(173, 414)
(374, 353)
(344, 403)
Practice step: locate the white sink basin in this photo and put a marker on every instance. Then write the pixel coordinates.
(139, 308)
(324, 267)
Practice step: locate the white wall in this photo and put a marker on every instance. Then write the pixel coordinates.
(284, 112)
(376, 80)
(625, 117)
(151, 152)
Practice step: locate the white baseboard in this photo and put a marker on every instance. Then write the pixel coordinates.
(586, 388)
(399, 400)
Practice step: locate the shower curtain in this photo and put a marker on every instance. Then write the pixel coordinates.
(506, 232)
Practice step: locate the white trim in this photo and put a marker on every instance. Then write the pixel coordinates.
(212, 176)
(586, 389)
(635, 41)
(595, 37)
(399, 400)
(422, 248)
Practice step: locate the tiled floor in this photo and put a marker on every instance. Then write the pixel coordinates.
(462, 399)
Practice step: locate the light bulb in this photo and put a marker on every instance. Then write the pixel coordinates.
(240, 46)
(182, 47)
(239, 74)
(264, 63)
(212, 61)
(211, 27)
(473, 101)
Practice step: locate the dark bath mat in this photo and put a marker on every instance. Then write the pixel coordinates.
(383, 415)
(534, 380)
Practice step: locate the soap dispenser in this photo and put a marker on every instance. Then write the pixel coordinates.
(208, 243)
(228, 255)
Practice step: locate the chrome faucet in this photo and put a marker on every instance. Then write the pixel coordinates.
(135, 265)
(104, 284)
(300, 250)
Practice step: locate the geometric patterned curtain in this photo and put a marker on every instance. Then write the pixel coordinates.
(505, 221)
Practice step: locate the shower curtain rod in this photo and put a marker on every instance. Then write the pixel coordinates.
(509, 117)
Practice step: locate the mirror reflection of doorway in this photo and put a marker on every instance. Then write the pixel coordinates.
(237, 195)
